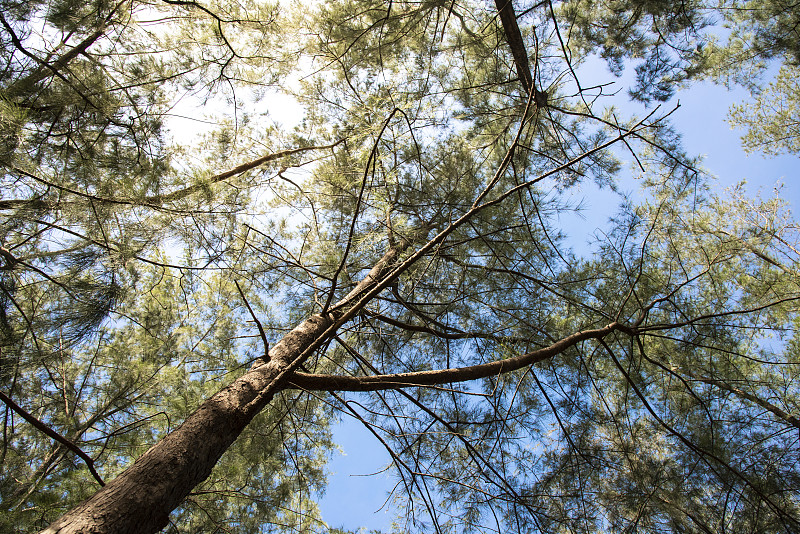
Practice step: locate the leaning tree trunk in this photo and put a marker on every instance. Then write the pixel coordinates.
(141, 498)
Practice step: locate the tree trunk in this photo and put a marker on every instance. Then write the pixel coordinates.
(141, 498)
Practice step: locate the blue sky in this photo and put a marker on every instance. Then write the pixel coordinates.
(355, 493)
(701, 118)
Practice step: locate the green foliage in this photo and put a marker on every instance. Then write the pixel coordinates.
(772, 120)
(762, 34)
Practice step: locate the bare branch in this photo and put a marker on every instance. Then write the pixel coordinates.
(52, 434)
(258, 323)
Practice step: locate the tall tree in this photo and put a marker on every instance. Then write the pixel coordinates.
(648, 382)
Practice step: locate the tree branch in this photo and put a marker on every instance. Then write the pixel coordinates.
(792, 420)
(321, 382)
(244, 167)
(455, 334)
(46, 69)
(258, 323)
(153, 201)
(515, 42)
(52, 434)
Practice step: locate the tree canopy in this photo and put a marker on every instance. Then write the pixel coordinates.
(185, 313)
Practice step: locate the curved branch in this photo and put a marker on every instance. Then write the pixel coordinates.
(320, 382)
(373, 156)
(703, 453)
(455, 334)
(46, 69)
(52, 434)
(258, 323)
(185, 192)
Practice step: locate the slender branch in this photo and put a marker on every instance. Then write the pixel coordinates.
(52, 434)
(370, 162)
(792, 420)
(476, 455)
(153, 201)
(456, 334)
(46, 69)
(258, 323)
(706, 455)
(19, 46)
(244, 167)
(699, 319)
(321, 382)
